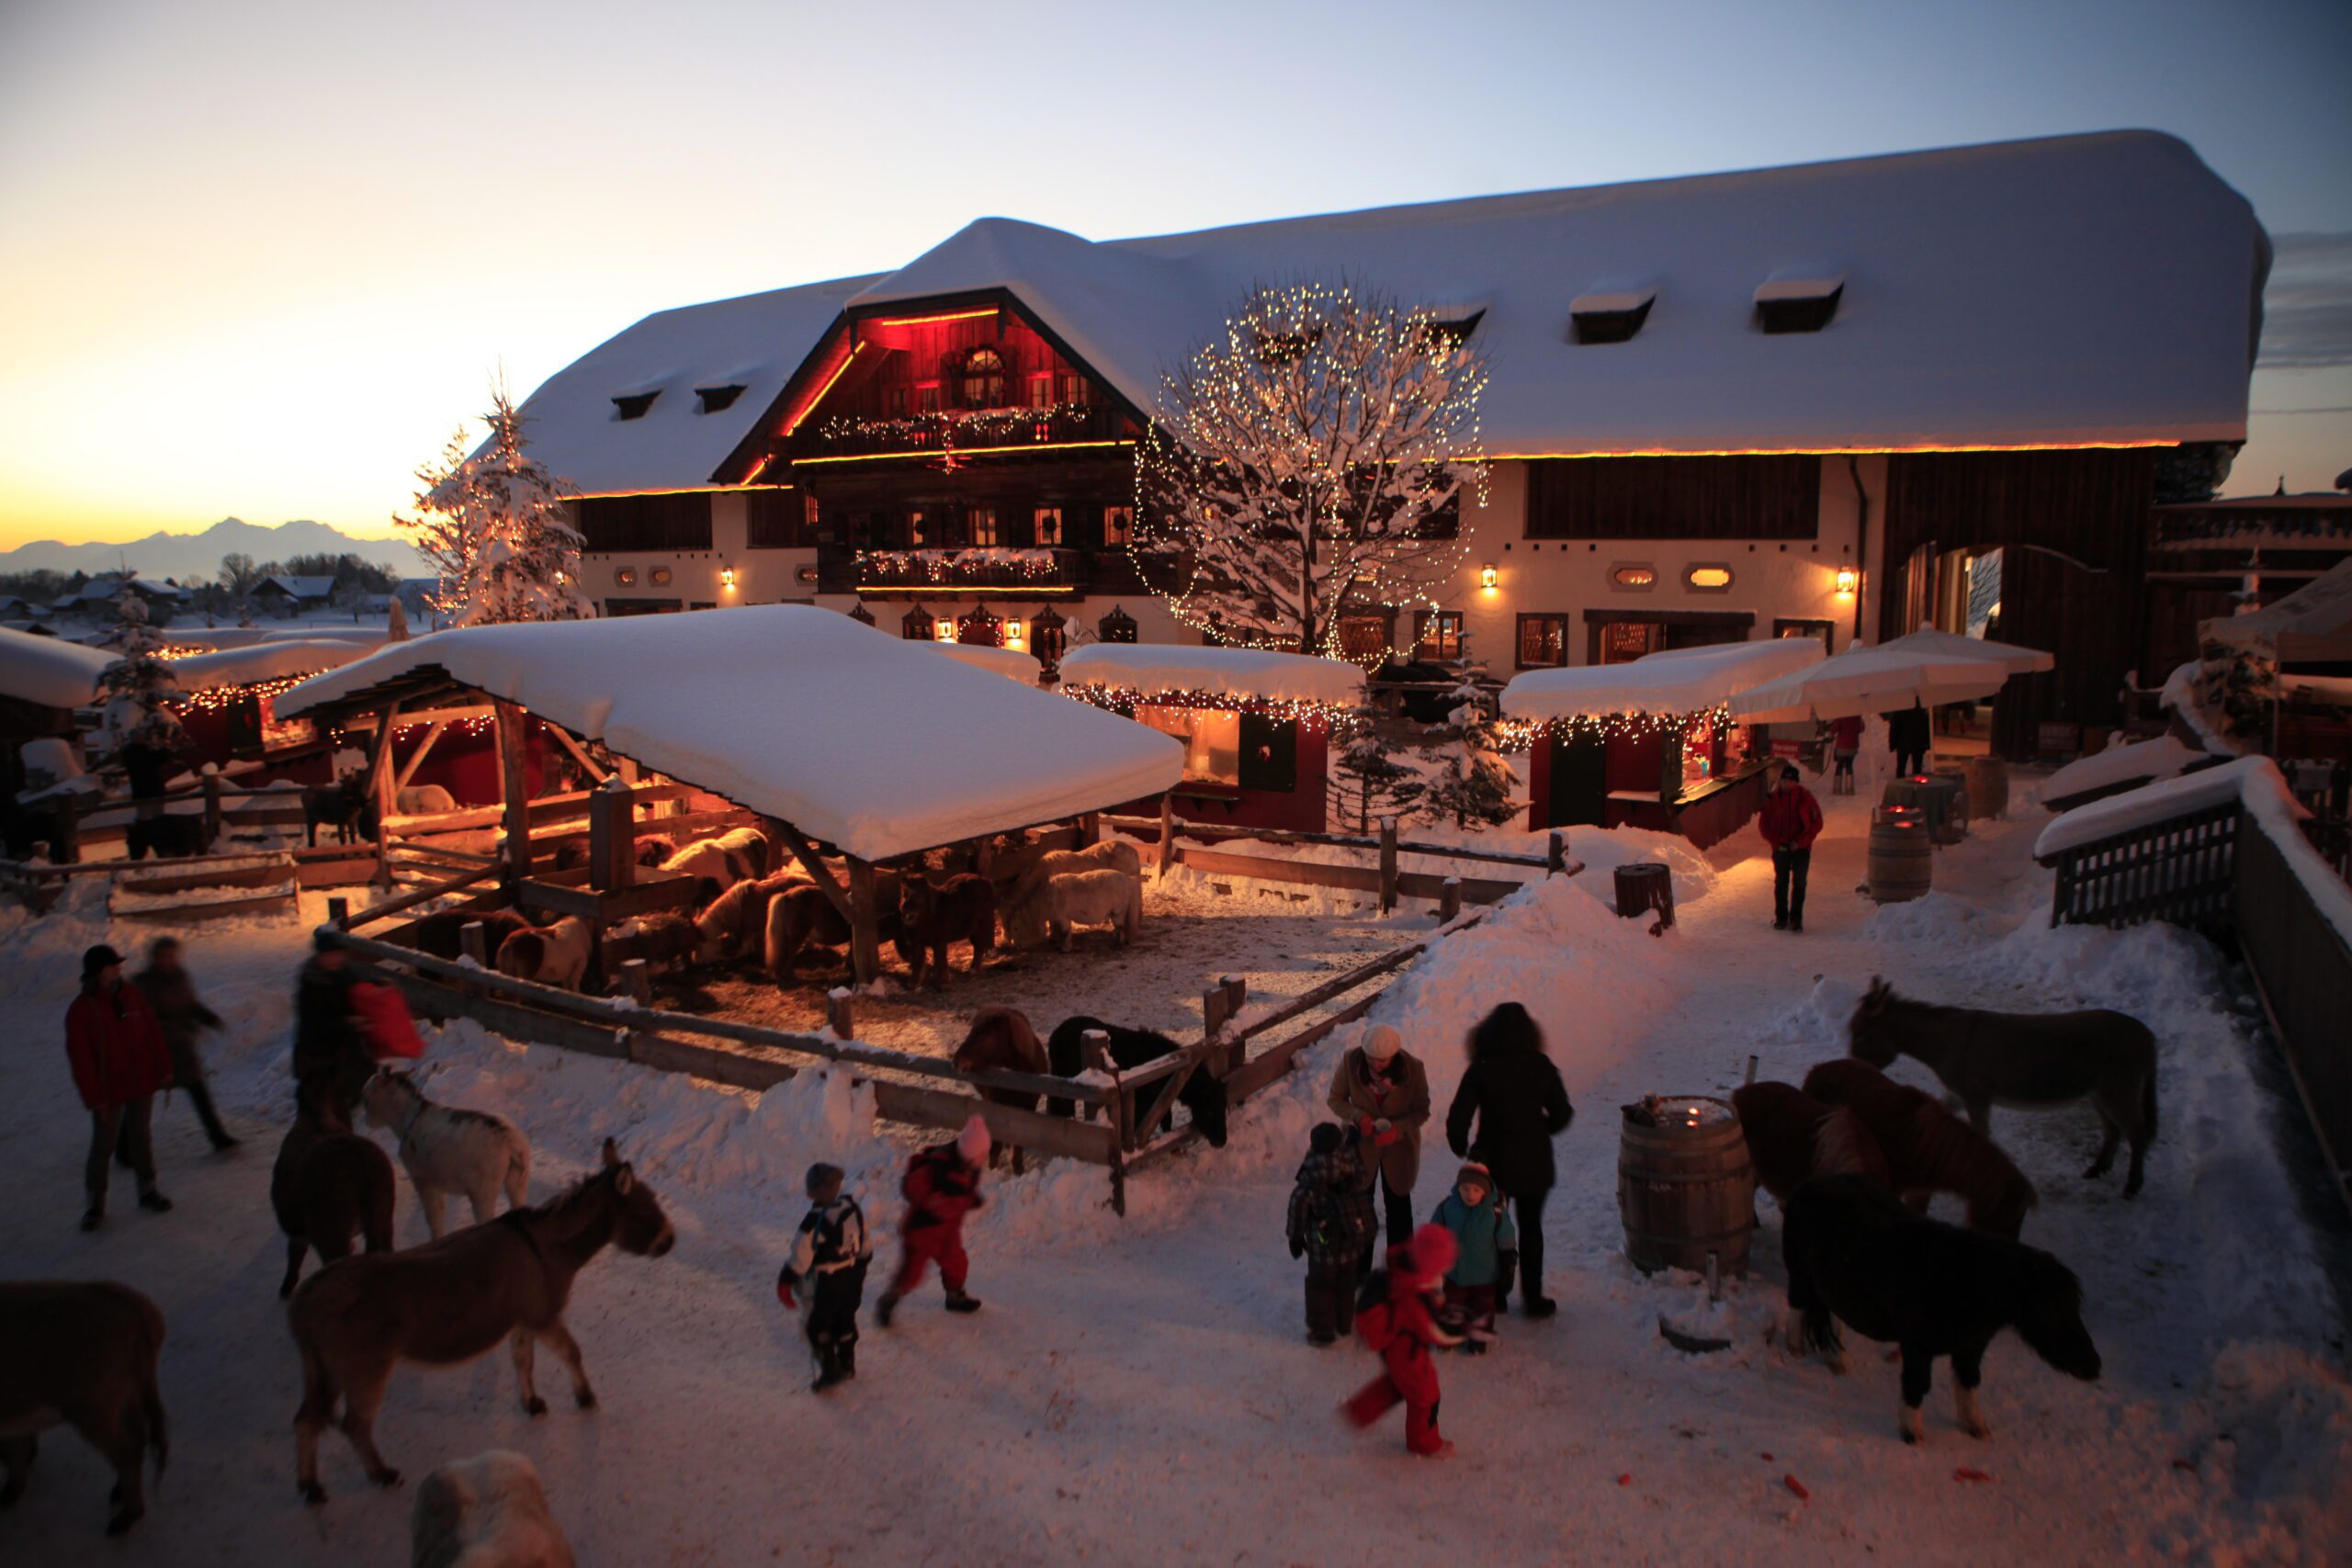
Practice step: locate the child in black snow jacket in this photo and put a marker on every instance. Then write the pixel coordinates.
(1331, 1225)
(829, 1253)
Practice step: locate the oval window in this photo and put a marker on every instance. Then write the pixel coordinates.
(624, 575)
(1709, 578)
(1633, 577)
(661, 577)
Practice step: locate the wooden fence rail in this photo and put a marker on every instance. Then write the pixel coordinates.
(2176, 870)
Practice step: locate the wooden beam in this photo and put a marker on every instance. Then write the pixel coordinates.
(416, 895)
(612, 838)
(865, 926)
(670, 891)
(842, 899)
(512, 795)
(424, 750)
(379, 781)
(565, 738)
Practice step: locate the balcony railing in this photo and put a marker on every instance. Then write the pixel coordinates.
(941, 435)
(976, 572)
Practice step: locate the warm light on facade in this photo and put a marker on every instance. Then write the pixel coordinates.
(726, 578)
(1489, 577)
(1847, 578)
(944, 629)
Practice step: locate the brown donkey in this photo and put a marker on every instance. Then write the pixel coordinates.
(329, 1185)
(1928, 1149)
(2033, 1061)
(1792, 1137)
(452, 1300)
(81, 1355)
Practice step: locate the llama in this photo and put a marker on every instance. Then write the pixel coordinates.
(475, 1153)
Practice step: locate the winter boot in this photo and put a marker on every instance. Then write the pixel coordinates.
(958, 1301)
(883, 1307)
(154, 1201)
(92, 1217)
(830, 1371)
(1533, 1305)
(845, 1358)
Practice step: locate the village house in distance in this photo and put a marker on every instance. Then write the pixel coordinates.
(1834, 400)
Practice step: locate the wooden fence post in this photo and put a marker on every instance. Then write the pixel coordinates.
(1090, 830)
(637, 980)
(865, 941)
(839, 1014)
(1167, 831)
(1448, 899)
(1556, 854)
(338, 910)
(512, 795)
(379, 785)
(211, 809)
(1387, 864)
(473, 940)
(611, 836)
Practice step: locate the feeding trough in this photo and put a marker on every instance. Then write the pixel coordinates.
(1686, 1189)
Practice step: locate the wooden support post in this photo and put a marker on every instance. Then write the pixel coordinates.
(1090, 830)
(511, 794)
(379, 782)
(1387, 864)
(864, 927)
(424, 750)
(637, 981)
(1219, 1004)
(338, 910)
(211, 809)
(1166, 832)
(1448, 899)
(612, 837)
(841, 1016)
(473, 940)
(819, 871)
(1556, 854)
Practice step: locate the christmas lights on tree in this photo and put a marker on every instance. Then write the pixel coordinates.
(141, 679)
(1309, 463)
(492, 526)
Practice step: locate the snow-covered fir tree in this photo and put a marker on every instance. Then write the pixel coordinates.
(1367, 782)
(1309, 461)
(137, 689)
(1473, 781)
(491, 523)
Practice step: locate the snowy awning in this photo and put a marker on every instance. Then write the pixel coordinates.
(857, 738)
(1685, 680)
(49, 671)
(270, 660)
(1247, 674)
(1929, 641)
(2311, 623)
(1865, 680)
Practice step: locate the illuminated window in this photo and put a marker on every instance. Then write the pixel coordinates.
(1073, 389)
(917, 535)
(659, 577)
(894, 403)
(1438, 635)
(1542, 641)
(624, 575)
(1212, 741)
(983, 380)
(979, 523)
(1632, 578)
(1117, 522)
(1709, 577)
(1049, 526)
(1040, 392)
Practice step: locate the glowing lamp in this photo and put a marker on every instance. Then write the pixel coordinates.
(1847, 578)
(726, 578)
(1013, 631)
(945, 630)
(1489, 577)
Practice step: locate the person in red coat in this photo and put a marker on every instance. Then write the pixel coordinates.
(1789, 822)
(942, 1185)
(1404, 1329)
(116, 1047)
(1845, 744)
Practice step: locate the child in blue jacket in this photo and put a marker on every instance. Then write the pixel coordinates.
(1480, 1222)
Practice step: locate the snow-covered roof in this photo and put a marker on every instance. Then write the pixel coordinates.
(755, 341)
(1931, 642)
(1865, 679)
(2153, 803)
(2315, 622)
(1008, 662)
(303, 587)
(49, 671)
(2160, 758)
(1686, 681)
(272, 660)
(1244, 674)
(853, 736)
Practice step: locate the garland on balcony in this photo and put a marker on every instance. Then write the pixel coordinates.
(946, 566)
(967, 427)
(1125, 700)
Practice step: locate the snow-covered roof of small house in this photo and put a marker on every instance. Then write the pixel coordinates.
(2315, 622)
(1684, 681)
(852, 736)
(1247, 674)
(303, 587)
(275, 659)
(49, 671)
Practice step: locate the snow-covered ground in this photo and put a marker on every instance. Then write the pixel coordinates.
(1140, 1390)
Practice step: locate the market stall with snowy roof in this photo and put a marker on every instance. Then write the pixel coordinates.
(839, 736)
(42, 681)
(1649, 743)
(228, 697)
(1256, 724)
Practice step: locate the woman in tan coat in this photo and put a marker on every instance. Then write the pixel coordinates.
(1383, 1091)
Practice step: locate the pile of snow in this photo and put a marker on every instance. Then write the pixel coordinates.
(1246, 673)
(1682, 681)
(855, 738)
(2108, 771)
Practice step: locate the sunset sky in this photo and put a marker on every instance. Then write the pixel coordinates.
(260, 258)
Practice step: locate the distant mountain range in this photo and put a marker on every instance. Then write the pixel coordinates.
(185, 556)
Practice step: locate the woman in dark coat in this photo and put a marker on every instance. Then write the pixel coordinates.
(1514, 1095)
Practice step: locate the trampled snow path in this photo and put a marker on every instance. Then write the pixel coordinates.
(1139, 1391)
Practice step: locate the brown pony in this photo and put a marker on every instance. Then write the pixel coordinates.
(438, 935)
(329, 1185)
(1927, 1148)
(1002, 1040)
(1792, 1137)
(801, 916)
(81, 1355)
(451, 1300)
(961, 908)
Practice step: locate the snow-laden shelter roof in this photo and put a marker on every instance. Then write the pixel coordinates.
(1008, 662)
(1247, 674)
(857, 738)
(755, 341)
(49, 671)
(302, 587)
(1685, 680)
(275, 659)
(2313, 623)
(2074, 290)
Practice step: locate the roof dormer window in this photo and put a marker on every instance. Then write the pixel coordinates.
(716, 398)
(632, 405)
(1611, 316)
(1798, 304)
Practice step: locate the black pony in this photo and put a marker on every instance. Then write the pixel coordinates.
(1203, 1094)
(1855, 1252)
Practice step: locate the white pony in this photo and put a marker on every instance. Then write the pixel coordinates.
(474, 1153)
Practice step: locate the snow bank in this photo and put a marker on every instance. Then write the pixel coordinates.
(1694, 679)
(1240, 672)
(857, 738)
(2159, 759)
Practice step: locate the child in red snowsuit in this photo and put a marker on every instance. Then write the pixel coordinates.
(1404, 1329)
(942, 1185)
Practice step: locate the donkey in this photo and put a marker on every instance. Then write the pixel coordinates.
(81, 1355)
(1927, 1148)
(329, 1185)
(1792, 1137)
(343, 806)
(452, 1300)
(2036, 1060)
(476, 1153)
(1004, 1039)
(1857, 1256)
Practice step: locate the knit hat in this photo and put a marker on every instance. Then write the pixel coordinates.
(1326, 1138)
(97, 958)
(1381, 1042)
(1788, 772)
(1473, 1171)
(1432, 1251)
(972, 1143)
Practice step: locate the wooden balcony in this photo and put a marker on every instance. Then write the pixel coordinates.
(983, 432)
(976, 573)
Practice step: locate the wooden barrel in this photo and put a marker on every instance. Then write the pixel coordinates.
(1685, 1187)
(1644, 886)
(1988, 787)
(1934, 798)
(1902, 861)
(1962, 811)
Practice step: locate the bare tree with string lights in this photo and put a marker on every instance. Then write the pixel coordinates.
(491, 526)
(1308, 462)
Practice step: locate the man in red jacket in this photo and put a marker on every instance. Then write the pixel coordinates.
(1789, 822)
(116, 1048)
(942, 1185)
